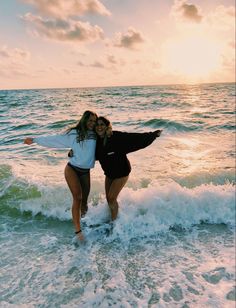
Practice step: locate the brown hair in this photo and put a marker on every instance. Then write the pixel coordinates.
(108, 125)
(81, 126)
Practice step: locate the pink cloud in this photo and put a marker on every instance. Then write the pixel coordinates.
(14, 53)
(66, 8)
(131, 39)
(186, 11)
(64, 30)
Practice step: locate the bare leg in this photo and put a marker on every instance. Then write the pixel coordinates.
(76, 190)
(113, 187)
(85, 185)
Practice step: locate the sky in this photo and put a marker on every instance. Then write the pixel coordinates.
(98, 43)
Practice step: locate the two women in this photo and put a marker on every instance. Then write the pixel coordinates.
(110, 149)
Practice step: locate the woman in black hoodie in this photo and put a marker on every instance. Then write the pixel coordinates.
(111, 153)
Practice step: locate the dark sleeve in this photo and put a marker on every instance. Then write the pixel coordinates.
(131, 142)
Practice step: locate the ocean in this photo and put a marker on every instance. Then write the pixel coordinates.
(173, 243)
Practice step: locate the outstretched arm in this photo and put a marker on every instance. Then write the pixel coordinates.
(53, 141)
(130, 142)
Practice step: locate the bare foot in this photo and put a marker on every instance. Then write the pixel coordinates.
(80, 237)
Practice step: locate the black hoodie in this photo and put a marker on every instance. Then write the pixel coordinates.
(112, 155)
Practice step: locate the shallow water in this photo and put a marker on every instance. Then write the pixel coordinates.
(173, 242)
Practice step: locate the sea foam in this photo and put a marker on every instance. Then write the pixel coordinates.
(143, 211)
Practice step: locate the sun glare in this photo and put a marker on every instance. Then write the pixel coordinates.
(192, 57)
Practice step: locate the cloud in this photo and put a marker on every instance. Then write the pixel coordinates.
(111, 59)
(109, 62)
(115, 62)
(13, 62)
(186, 11)
(64, 30)
(14, 54)
(13, 72)
(131, 39)
(80, 63)
(222, 18)
(97, 64)
(67, 8)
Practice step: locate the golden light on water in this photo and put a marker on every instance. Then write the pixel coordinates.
(193, 154)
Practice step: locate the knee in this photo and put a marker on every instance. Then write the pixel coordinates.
(77, 199)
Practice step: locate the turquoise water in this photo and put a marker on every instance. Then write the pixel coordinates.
(173, 242)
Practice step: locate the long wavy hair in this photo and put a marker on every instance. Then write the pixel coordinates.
(81, 126)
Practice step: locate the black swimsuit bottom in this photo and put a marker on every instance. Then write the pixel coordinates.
(79, 171)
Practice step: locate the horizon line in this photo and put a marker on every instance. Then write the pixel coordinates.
(120, 86)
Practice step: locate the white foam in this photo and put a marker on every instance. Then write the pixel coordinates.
(145, 211)
(157, 208)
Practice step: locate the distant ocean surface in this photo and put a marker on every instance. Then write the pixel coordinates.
(173, 244)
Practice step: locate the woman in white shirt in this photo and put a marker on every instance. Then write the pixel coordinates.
(82, 140)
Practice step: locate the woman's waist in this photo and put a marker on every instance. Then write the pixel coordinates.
(78, 168)
(82, 163)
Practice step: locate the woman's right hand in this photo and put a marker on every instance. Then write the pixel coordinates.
(28, 141)
(109, 132)
(70, 153)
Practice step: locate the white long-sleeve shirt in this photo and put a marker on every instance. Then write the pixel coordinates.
(83, 151)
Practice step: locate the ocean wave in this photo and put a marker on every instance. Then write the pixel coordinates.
(14, 190)
(200, 178)
(194, 125)
(25, 126)
(145, 211)
(171, 125)
(228, 127)
(61, 124)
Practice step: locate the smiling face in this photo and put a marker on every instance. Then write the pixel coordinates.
(91, 122)
(100, 128)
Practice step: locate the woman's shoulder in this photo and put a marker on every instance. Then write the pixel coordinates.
(72, 131)
(120, 134)
(117, 133)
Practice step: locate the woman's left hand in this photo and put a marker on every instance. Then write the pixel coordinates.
(158, 132)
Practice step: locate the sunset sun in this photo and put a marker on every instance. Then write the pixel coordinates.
(192, 57)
